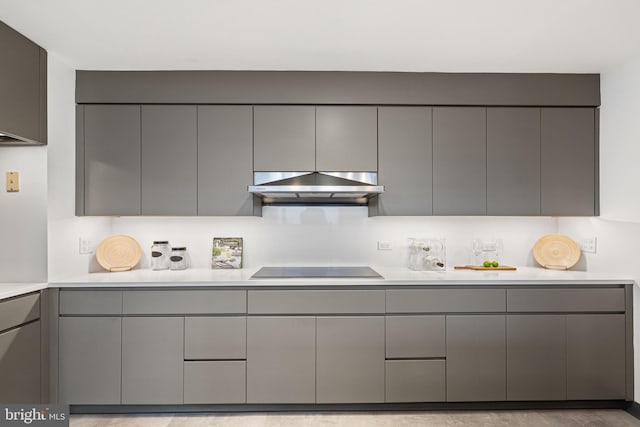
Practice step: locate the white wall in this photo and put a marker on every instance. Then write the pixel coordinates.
(618, 228)
(64, 228)
(23, 216)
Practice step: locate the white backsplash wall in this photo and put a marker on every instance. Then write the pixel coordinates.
(64, 227)
(334, 236)
(23, 216)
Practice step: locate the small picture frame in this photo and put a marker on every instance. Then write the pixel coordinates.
(226, 253)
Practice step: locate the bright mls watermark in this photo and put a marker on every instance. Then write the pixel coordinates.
(34, 415)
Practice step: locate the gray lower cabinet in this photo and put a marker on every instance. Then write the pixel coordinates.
(476, 358)
(284, 138)
(459, 161)
(350, 359)
(536, 357)
(214, 381)
(90, 360)
(568, 161)
(225, 159)
(513, 161)
(346, 139)
(281, 359)
(152, 360)
(415, 380)
(405, 160)
(20, 364)
(111, 159)
(595, 356)
(169, 160)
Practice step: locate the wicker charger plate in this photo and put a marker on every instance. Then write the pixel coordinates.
(118, 253)
(556, 252)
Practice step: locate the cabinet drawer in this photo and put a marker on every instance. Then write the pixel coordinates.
(215, 382)
(184, 302)
(16, 311)
(215, 338)
(91, 302)
(415, 336)
(415, 381)
(446, 300)
(565, 300)
(316, 302)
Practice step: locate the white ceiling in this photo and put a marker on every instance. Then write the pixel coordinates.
(389, 35)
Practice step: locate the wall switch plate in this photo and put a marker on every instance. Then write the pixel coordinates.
(384, 246)
(588, 244)
(13, 182)
(85, 245)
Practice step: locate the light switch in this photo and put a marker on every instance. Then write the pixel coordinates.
(13, 182)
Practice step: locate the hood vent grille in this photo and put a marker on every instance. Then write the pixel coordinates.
(325, 188)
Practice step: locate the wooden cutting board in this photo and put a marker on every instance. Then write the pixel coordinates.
(480, 267)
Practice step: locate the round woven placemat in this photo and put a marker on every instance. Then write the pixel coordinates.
(556, 252)
(118, 253)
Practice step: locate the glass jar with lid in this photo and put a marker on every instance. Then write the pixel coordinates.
(160, 255)
(179, 258)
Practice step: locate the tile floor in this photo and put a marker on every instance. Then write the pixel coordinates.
(537, 418)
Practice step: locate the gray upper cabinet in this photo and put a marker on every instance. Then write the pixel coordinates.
(351, 359)
(459, 161)
(405, 160)
(513, 161)
(23, 85)
(536, 357)
(90, 360)
(476, 358)
(112, 159)
(346, 139)
(169, 160)
(152, 360)
(225, 159)
(281, 359)
(568, 161)
(284, 138)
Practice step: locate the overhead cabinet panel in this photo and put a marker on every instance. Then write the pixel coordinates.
(112, 159)
(513, 161)
(405, 160)
(346, 139)
(459, 161)
(568, 161)
(169, 160)
(284, 138)
(225, 160)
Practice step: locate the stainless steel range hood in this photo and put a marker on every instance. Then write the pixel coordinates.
(324, 188)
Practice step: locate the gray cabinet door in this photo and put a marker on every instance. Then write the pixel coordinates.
(20, 364)
(284, 138)
(595, 356)
(225, 160)
(281, 359)
(90, 360)
(513, 161)
(112, 159)
(346, 139)
(568, 172)
(405, 160)
(215, 381)
(350, 365)
(152, 360)
(459, 161)
(536, 357)
(415, 380)
(20, 86)
(169, 160)
(476, 361)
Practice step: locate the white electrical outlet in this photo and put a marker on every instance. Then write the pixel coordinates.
(384, 246)
(588, 244)
(85, 245)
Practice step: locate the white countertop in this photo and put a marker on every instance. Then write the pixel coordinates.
(8, 290)
(392, 276)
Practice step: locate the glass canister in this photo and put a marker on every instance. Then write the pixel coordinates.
(160, 255)
(179, 258)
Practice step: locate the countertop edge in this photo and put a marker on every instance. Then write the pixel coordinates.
(10, 290)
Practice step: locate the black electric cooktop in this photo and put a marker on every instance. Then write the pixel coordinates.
(316, 273)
